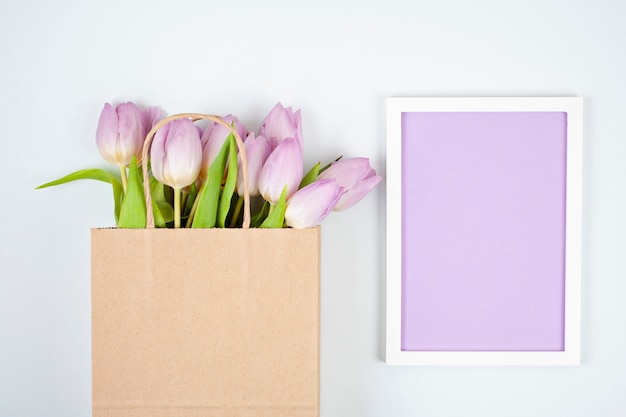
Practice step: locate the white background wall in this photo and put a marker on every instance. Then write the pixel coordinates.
(337, 61)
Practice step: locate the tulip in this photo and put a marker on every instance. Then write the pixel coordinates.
(311, 204)
(283, 168)
(176, 157)
(213, 139)
(281, 123)
(120, 135)
(257, 151)
(121, 132)
(356, 176)
(151, 116)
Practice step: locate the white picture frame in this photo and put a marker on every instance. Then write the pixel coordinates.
(569, 109)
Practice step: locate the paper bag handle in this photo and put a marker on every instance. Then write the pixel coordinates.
(194, 117)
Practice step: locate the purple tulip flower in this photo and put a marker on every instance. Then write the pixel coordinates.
(283, 167)
(311, 204)
(213, 138)
(120, 133)
(356, 176)
(281, 123)
(257, 151)
(176, 154)
(151, 116)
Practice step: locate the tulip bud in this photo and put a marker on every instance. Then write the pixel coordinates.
(120, 133)
(213, 139)
(151, 116)
(311, 204)
(257, 151)
(176, 153)
(283, 167)
(356, 176)
(281, 123)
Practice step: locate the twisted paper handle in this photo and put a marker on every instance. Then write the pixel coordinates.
(194, 117)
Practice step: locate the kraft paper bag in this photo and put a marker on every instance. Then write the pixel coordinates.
(205, 322)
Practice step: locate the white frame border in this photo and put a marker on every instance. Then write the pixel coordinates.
(573, 106)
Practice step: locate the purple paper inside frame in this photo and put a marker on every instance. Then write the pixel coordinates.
(483, 231)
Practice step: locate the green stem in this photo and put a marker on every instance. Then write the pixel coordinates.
(237, 210)
(124, 177)
(177, 208)
(183, 203)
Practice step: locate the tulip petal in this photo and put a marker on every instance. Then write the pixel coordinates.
(282, 168)
(106, 133)
(150, 117)
(177, 154)
(356, 176)
(257, 151)
(120, 133)
(281, 123)
(356, 193)
(347, 172)
(131, 133)
(311, 204)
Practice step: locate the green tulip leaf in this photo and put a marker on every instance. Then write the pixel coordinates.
(83, 174)
(159, 191)
(230, 184)
(163, 213)
(118, 196)
(133, 210)
(161, 203)
(276, 217)
(191, 197)
(258, 218)
(94, 174)
(311, 176)
(206, 211)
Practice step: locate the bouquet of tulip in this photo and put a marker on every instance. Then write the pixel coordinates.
(202, 178)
